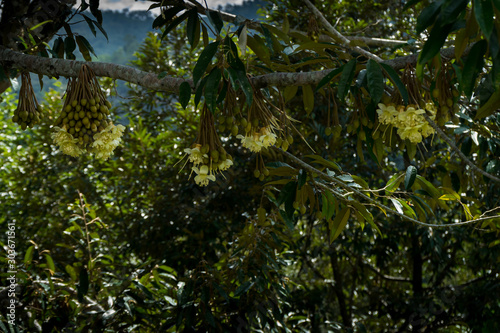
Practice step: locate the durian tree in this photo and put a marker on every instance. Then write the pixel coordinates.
(343, 134)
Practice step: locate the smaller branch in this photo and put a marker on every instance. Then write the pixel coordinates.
(458, 151)
(345, 41)
(326, 177)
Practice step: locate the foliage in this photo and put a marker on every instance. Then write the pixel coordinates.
(323, 234)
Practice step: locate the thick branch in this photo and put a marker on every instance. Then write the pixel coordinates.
(70, 68)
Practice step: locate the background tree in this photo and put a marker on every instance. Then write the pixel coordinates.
(350, 230)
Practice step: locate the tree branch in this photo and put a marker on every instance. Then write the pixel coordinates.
(458, 151)
(70, 68)
(345, 41)
(336, 181)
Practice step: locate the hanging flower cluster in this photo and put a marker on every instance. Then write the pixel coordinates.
(260, 129)
(408, 120)
(207, 154)
(84, 123)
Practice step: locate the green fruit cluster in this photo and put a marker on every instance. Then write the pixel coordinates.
(86, 110)
(84, 118)
(28, 112)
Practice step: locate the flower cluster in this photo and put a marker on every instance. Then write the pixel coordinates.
(409, 120)
(66, 142)
(206, 166)
(107, 140)
(255, 141)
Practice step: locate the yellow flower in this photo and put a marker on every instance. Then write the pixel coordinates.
(202, 175)
(251, 142)
(66, 142)
(267, 137)
(427, 130)
(224, 165)
(107, 140)
(195, 154)
(411, 117)
(411, 133)
(386, 114)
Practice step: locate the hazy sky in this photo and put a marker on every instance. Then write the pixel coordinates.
(144, 5)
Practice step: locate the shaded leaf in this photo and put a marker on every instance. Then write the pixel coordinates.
(375, 80)
(411, 175)
(204, 60)
(472, 67)
(396, 80)
(483, 10)
(184, 94)
(346, 79)
(339, 223)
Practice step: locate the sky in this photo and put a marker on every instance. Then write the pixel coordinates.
(144, 5)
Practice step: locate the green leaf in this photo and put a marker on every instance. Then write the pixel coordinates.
(302, 178)
(176, 22)
(290, 92)
(497, 4)
(346, 79)
(28, 257)
(243, 288)
(83, 285)
(328, 77)
(396, 80)
(434, 43)
(212, 88)
(58, 48)
(94, 9)
(411, 175)
(326, 163)
(472, 67)
(410, 3)
(50, 263)
(90, 24)
(39, 25)
(69, 47)
(71, 272)
(328, 205)
(166, 16)
(83, 48)
(484, 16)
(216, 20)
(204, 60)
(86, 43)
(490, 106)
(339, 223)
(257, 45)
(99, 26)
(240, 79)
(393, 183)
(428, 187)
(428, 16)
(375, 80)
(184, 94)
(308, 98)
(199, 91)
(193, 29)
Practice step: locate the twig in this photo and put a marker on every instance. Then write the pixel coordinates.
(345, 41)
(458, 151)
(326, 177)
